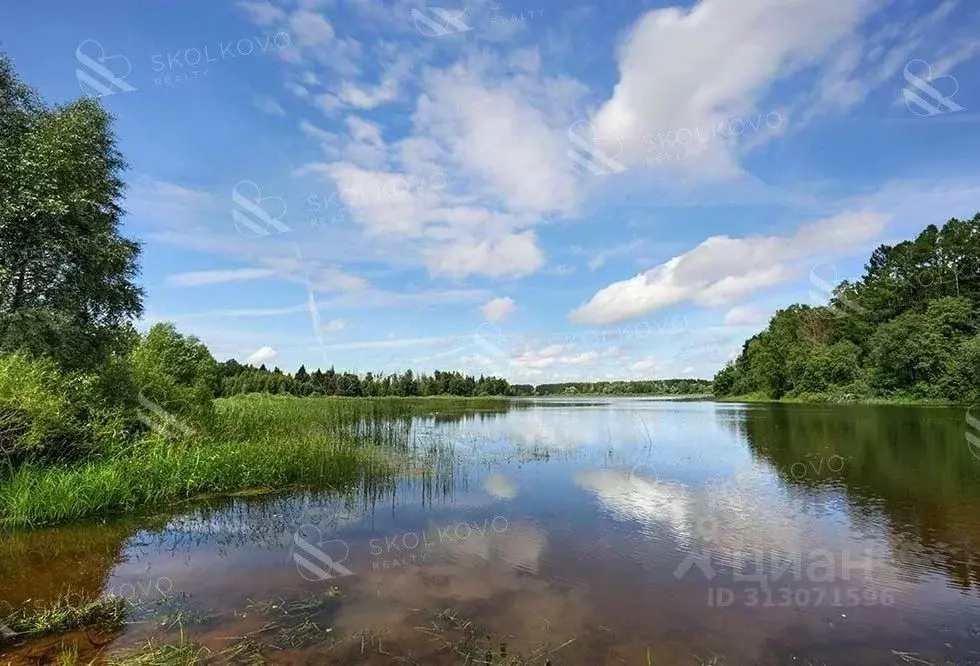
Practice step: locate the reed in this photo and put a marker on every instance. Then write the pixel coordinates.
(256, 442)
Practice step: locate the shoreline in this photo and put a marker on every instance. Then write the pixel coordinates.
(823, 399)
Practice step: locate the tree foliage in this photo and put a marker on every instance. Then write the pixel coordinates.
(238, 379)
(67, 276)
(907, 329)
(175, 373)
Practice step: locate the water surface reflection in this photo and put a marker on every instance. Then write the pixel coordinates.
(643, 531)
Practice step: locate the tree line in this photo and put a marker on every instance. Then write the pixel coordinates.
(907, 329)
(644, 387)
(238, 378)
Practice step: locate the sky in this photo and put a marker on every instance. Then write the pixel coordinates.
(543, 191)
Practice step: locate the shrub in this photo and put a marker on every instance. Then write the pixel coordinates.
(176, 379)
(47, 414)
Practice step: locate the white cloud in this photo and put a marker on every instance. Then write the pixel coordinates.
(310, 29)
(742, 315)
(498, 308)
(723, 269)
(645, 365)
(499, 486)
(365, 96)
(497, 136)
(335, 325)
(297, 89)
(199, 278)
(514, 255)
(262, 355)
(694, 68)
(269, 106)
(263, 13)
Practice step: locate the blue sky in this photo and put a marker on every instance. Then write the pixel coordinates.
(545, 191)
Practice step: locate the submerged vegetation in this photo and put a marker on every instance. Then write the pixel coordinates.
(906, 331)
(66, 613)
(251, 442)
(291, 625)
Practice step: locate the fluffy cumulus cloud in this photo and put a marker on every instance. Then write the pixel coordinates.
(262, 355)
(512, 255)
(498, 308)
(700, 68)
(454, 157)
(723, 269)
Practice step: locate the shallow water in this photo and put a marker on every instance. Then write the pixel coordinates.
(640, 530)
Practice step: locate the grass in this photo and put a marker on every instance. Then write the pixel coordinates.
(256, 442)
(66, 613)
(182, 653)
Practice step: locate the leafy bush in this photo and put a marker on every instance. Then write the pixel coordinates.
(176, 378)
(47, 414)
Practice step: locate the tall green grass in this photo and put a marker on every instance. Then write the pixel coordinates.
(256, 442)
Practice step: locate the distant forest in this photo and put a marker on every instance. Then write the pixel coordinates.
(907, 329)
(238, 379)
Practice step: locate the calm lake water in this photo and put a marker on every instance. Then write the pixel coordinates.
(606, 531)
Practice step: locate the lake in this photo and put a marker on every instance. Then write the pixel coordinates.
(569, 531)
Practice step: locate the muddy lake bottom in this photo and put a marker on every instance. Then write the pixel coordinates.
(568, 531)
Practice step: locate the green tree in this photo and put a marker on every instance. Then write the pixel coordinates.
(66, 274)
(176, 374)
